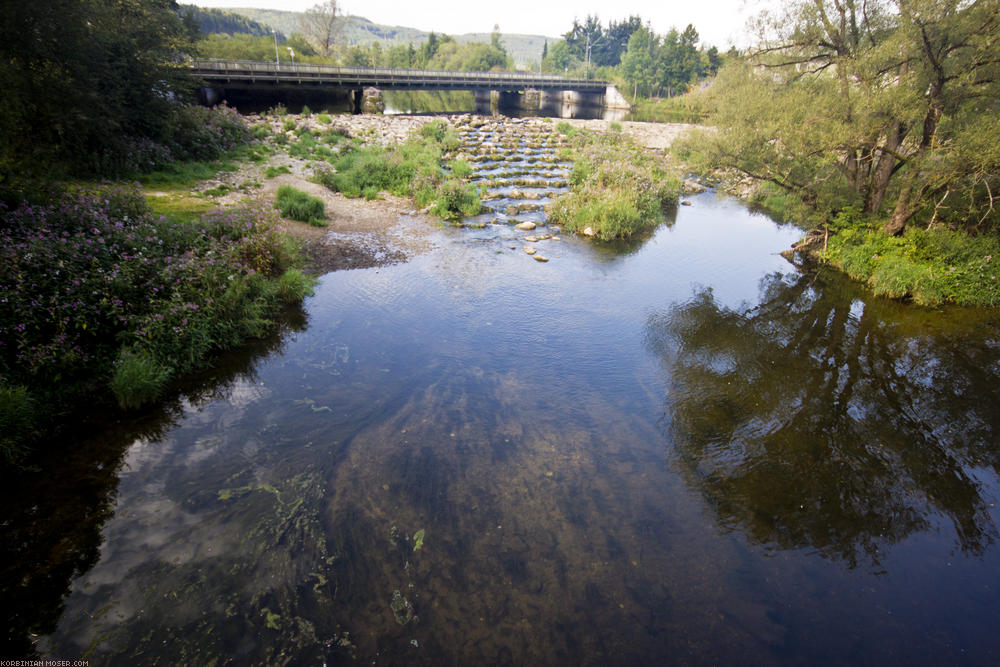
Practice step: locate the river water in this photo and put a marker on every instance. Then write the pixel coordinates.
(682, 450)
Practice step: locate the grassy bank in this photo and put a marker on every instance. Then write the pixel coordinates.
(617, 188)
(102, 298)
(943, 264)
(930, 266)
(417, 168)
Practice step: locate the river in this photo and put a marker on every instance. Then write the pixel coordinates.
(682, 450)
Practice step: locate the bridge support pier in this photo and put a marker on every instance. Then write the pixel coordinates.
(209, 97)
(367, 100)
(484, 101)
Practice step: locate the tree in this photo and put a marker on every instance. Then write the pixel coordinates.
(896, 94)
(81, 78)
(638, 63)
(321, 26)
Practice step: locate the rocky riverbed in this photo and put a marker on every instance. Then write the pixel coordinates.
(363, 233)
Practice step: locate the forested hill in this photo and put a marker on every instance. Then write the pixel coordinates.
(219, 21)
(526, 50)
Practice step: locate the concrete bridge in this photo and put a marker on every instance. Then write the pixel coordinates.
(245, 80)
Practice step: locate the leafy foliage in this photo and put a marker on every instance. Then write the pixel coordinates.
(616, 188)
(93, 287)
(83, 78)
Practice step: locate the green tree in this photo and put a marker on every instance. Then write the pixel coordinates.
(81, 77)
(886, 106)
(638, 63)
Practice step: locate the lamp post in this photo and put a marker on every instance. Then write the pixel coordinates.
(292, 53)
(277, 62)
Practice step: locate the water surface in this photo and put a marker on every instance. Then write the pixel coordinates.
(681, 451)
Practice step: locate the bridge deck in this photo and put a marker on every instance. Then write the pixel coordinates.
(272, 74)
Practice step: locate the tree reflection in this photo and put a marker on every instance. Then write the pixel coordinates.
(817, 420)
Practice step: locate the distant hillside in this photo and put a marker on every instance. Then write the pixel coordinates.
(223, 22)
(526, 50)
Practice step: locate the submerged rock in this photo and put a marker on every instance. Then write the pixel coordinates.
(530, 250)
(540, 258)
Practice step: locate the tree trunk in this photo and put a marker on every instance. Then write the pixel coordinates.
(905, 208)
(882, 174)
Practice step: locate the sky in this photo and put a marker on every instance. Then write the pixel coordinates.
(720, 23)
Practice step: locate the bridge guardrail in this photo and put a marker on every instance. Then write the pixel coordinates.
(243, 68)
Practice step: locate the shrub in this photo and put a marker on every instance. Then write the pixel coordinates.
(456, 199)
(616, 188)
(297, 205)
(324, 118)
(95, 291)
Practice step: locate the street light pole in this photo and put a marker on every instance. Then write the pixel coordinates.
(277, 62)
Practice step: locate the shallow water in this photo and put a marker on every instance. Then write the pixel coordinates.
(680, 451)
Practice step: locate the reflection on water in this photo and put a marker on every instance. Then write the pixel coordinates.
(814, 419)
(475, 458)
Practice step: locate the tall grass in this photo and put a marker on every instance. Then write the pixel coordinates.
(298, 205)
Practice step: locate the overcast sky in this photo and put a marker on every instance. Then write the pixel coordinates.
(719, 22)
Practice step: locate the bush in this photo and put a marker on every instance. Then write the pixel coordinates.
(616, 188)
(298, 205)
(456, 199)
(96, 292)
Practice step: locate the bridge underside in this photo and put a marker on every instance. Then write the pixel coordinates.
(256, 84)
(252, 94)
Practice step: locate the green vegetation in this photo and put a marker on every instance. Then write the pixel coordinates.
(99, 295)
(298, 205)
(78, 81)
(273, 171)
(894, 118)
(930, 266)
(617, 188)
(415, 169)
